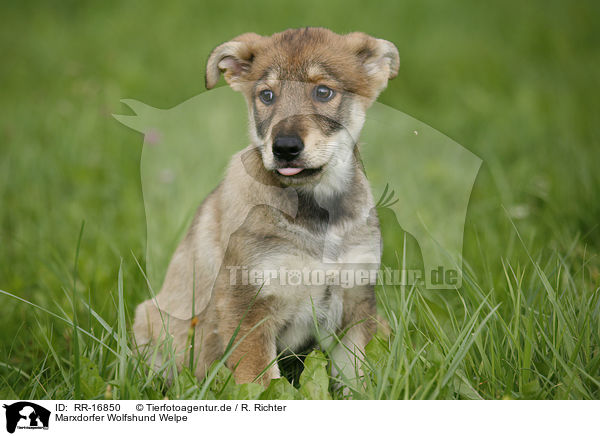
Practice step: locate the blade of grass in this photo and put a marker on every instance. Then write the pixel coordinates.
(76, 363)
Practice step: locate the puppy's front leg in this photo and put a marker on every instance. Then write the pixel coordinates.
(358, 327)
(255, 346)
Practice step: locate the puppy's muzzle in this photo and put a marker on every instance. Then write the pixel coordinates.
(287, 147)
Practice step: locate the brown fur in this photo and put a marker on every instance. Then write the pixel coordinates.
(324, 218)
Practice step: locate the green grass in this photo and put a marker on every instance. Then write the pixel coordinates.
(516, 83)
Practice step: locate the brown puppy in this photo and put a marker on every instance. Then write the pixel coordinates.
(295, 201)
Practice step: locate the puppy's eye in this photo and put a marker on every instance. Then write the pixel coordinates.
(266, 96)
(324, 93)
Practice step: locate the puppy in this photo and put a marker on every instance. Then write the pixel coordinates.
(295, 202)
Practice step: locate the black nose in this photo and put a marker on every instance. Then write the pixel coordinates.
(287, 147)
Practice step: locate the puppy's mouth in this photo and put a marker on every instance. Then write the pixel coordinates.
(298, 172)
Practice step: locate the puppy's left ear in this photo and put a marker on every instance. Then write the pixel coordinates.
(380, 58)
(233, 59)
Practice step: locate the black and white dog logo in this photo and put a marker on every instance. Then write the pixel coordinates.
(26, 415)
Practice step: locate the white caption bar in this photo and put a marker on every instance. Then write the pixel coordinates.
(298, 417)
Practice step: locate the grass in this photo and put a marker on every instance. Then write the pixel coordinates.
(515, 83)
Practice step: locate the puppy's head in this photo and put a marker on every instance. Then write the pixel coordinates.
(307, 91)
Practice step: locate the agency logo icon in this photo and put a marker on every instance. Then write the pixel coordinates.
(26, 415)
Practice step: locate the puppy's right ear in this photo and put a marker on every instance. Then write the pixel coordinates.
(233, 58)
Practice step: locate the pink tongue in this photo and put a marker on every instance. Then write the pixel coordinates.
(289, 171)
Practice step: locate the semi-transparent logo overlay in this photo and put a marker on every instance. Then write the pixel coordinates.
(420, 179)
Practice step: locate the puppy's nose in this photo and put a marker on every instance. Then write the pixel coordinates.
(287, 147)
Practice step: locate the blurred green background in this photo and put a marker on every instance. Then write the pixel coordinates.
(515, 82)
